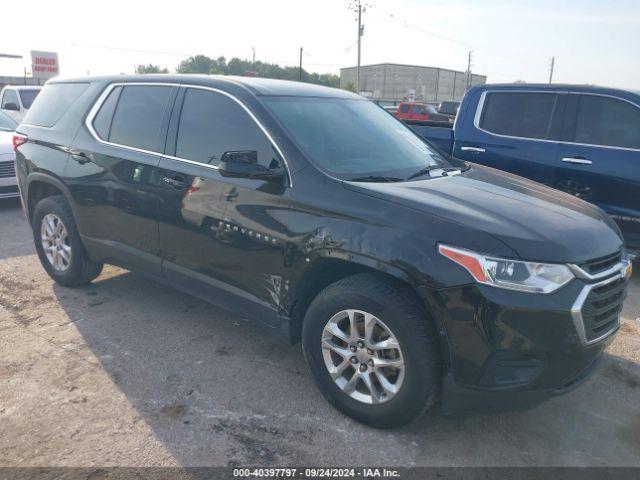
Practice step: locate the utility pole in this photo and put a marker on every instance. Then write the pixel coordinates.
(359, 43)
(253, 49)
(300, 76)
(469, 70)
(553, 61)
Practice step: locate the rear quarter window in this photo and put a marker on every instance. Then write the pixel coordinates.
(52, 102)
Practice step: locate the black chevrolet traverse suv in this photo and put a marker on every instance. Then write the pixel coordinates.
(406, 275)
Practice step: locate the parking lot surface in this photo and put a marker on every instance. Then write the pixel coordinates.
(126, 372)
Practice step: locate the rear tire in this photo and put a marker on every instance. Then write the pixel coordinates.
(383, 396)
(59, 245)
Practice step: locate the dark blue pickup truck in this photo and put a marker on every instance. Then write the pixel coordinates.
(581, 139)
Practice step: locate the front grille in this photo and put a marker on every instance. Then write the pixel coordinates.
(601, 264)
(602, 307)
(7, 169)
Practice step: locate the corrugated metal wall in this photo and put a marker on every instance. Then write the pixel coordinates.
(395, 82)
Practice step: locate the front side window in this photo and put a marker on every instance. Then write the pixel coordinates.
(607, 121)
(212, 124)
(28, 96)
(404, 108)
(518, 114)
(352, 138)
(138, 116)
(10, 96)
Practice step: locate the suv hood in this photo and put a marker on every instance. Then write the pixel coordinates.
(538, 222)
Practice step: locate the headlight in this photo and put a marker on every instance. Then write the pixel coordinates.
(512, 274)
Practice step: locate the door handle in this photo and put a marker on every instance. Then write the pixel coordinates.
(175, 183)
(577, 160)
(81, 158)
(472, 149)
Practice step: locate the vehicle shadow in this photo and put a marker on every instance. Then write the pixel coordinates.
(15, 234)
(218, 390)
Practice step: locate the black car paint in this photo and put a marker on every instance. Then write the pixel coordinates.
(610, 180)
(253, 246)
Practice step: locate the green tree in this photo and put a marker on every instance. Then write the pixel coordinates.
(237, 66)
(150, 69)
(197, 64)
(351, 87)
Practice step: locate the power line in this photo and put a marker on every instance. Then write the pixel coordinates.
(417, 28)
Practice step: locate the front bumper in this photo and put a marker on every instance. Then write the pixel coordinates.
(8, 180)
(506, 350)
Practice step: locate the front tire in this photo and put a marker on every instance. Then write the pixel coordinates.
(372, 350)
(59, 245)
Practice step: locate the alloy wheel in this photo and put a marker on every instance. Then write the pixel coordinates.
(55, 242)
(363, 356)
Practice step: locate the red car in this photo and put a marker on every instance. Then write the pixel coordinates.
(419, 111)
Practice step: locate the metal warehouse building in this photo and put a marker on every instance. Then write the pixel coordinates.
(394, 82)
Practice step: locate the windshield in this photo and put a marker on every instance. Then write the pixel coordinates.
(27, 97)
(353, 138)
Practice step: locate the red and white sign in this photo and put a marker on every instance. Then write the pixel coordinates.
(44, 65)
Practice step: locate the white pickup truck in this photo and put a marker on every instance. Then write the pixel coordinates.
(15, 100)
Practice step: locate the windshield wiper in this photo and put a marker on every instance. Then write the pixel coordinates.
(375, 178)
(431, 168)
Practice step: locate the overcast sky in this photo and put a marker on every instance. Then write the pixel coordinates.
(593, 41)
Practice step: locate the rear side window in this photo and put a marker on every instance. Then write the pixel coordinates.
(404, 108)
(212, 124)
(607, 121)
(418, 109)
(52, 102)
(28, 96)
(518, 114)
(138, 116)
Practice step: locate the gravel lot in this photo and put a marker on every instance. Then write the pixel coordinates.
(128, 372)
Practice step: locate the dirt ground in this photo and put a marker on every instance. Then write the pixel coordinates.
(125, 372)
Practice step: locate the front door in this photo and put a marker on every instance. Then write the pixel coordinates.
(600, 160)
(220, 237)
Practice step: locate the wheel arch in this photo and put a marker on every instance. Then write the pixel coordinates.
(319, 270)
(39, 186)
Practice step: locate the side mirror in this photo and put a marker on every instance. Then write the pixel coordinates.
(11, 106)
(244, 164)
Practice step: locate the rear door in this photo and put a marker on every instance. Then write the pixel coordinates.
(218, 237)
(600, 158)
(112, 173)
(514, 131)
